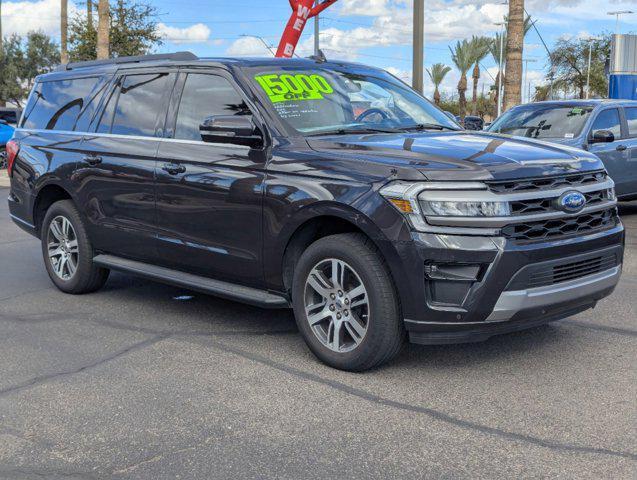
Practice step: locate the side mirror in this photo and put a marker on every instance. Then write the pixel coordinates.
(602, 136)
(233, 129)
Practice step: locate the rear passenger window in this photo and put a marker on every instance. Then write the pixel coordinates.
(203, 96)
(56, 105)
(631, 118)
(138, 108)
(608, 120)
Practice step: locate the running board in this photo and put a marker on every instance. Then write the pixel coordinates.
(252, 296)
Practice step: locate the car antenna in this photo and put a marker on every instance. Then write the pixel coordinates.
(319, 57)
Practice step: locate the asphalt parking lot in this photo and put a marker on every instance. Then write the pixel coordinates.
(142, 380)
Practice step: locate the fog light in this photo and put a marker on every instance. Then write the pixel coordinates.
(451, 271)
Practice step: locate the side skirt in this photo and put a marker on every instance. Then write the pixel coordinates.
(231, 291)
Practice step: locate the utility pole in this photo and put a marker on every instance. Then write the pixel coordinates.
(526, 71)
(64, 32)
(419, 45)
(317, 27)
(588, 70)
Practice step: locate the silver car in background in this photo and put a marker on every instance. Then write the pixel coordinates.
(607, 128)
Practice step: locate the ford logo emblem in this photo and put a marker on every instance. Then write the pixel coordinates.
(571, 202)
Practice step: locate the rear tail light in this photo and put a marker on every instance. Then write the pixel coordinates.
(12, 152)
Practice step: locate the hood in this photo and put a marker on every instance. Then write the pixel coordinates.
(459, 155)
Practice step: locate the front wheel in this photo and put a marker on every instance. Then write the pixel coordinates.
(345, 303)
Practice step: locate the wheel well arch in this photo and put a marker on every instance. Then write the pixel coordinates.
(46, 197)
(324, 225)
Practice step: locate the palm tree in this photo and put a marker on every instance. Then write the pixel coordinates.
(480, 48)
(494, 50)
(103, 29)
(463, 58)
(64, 31)
(437, 75)
(514, 49)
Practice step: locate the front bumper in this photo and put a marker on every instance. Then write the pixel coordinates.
(504, 298)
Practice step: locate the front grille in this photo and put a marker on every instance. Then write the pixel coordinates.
(550, 229)
(548, 183)
(550, 273)
(546, 205)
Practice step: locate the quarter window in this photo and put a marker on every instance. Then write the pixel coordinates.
(56, 105)
(608, 120)
(631, 118)
(205, 95)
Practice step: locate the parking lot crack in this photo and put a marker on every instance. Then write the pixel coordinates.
(435, 414)
(39, 380)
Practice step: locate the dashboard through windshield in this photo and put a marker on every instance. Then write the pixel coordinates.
(326, 101)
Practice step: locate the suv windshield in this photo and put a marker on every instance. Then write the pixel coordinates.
(319, 101)
(543, 121)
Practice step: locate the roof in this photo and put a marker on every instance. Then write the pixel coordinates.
(592, 102)
(181, 59)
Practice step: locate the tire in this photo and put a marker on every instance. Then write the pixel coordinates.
(369, 334)
(78, 274)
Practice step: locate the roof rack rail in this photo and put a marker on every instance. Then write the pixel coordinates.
(178, 56)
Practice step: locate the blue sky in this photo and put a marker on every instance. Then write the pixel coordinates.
(376, 32)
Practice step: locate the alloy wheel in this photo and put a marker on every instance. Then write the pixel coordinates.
(336, 305)
(63, 248)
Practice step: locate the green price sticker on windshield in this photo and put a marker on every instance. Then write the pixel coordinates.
(287, 87)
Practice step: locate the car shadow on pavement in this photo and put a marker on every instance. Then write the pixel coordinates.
(202, 312)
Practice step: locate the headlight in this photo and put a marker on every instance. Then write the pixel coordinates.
(465, 209)
(418, 200)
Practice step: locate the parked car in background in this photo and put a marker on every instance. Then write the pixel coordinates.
(472, 122)
(607, 128)
(8, 120)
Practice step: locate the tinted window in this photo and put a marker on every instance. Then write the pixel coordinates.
(631, 118)
(56, 105)
(608, 120)
(203, 96)
(138, 107)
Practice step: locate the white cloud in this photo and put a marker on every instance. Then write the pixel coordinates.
(369, 8)
(197, 33)
(23, 17)
(248, 46)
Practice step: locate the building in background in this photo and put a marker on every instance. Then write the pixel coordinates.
(622, 82)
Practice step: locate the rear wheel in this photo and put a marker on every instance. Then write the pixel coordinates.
(345, 303)
(67, 251)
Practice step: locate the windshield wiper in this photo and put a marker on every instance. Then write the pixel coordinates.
(429, 126)
(354, 131)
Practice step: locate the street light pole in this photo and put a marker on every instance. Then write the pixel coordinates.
(419, 45)
(617, 14)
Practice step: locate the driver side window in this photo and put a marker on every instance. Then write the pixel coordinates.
(205, 95)
(608, 120)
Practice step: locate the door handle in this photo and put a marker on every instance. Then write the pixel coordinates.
(173, 168)
(93, 159)
(621, 148)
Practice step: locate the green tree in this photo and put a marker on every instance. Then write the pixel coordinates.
(437, 74)
(463, 58)
(570, 61)
(22, 60)
(480, 47)
(133, 31)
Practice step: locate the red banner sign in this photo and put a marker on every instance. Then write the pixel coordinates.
(302, 11)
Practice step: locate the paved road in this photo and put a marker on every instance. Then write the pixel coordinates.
(136, 382)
